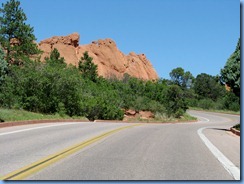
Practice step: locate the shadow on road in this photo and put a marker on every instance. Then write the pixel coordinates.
(220, 129)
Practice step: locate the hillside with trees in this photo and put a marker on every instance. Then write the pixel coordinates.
(53, 87)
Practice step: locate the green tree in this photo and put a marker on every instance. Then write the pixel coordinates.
(55, 58)
(87, 67)
(174, 101)
(3, 66)
(181, 78)
(207, 86)
(231, 73)
(231, 102)
(176, 76)
(16, 37)
(188, 80)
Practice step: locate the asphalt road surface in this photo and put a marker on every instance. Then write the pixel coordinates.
(203, 150)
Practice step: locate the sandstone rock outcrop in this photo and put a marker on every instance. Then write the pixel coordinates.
(132, 114)
(110, 60)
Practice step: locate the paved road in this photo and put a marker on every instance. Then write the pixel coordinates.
(145, 152)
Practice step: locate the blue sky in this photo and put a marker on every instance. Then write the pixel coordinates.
(197, 35)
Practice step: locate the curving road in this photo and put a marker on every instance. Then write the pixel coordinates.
(170, 151)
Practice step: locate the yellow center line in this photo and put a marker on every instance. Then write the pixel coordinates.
(45, 162)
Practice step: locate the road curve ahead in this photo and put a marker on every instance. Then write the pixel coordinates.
(123, 151)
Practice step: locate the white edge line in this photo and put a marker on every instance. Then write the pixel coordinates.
(227, 164)
(28, 129)
(206, 120)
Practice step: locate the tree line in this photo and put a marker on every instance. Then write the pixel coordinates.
(53, 86)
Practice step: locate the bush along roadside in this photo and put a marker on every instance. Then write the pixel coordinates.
(237, 127)
(52, 87)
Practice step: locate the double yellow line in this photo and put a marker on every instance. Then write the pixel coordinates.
(41, 164)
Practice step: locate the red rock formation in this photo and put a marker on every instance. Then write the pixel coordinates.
(132, 114)
(110, 60)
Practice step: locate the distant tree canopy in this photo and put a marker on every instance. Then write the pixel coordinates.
(181, 78)
(207, 86)
(231, 73)
(16, 37)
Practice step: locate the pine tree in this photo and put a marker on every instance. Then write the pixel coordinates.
(3, 66)
(55, 58)
(87, 67)
(16, 37)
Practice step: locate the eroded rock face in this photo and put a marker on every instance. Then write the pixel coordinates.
(110, 60)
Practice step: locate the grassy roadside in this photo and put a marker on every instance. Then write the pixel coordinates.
(20, 115)
(159, 118)
(7, 115)
(214, 110)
